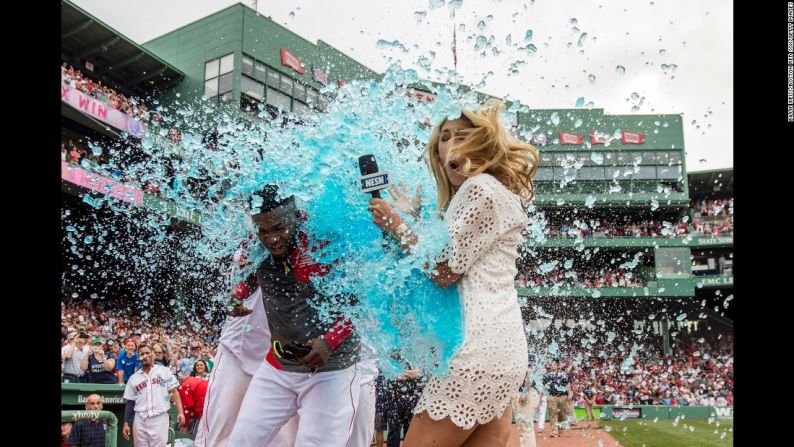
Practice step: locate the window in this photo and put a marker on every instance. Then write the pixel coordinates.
(286, 85)
(227, 63)
(225, 83)
(669, 172)
(260, 71)
(662, 158)
(672, 262)
(675, 158)
(252, 88)
(279, 100)
(311, 97)
(546, 159)
(218, 76)
(300, 92)
(211, 69)
(249, 104)
(543, 174)
(322, 102)
(211, 88)
(279, 91)
(300, 108)
(624, 158)
(591, 173)
(273, 78)
(559, 159)
(649, 158)
(613, 172)
(248, 66)
(646, 173)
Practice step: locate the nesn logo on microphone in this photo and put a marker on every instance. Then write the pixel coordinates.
(374, 182)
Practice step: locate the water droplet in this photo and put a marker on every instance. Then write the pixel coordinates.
(590, 200)
(420, 15)
(435, 4)
(581, 40)
(455, 4)
(620, 69)
(580, 102)
(573, 21)
(654, 204)
(291, 14)
(555, 118)
(662, 52)
(591, 78)
(528, 35)
(597, 158)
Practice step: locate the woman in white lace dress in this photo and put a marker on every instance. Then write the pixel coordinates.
(484, 179)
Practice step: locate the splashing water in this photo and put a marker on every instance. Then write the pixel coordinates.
(313, 158)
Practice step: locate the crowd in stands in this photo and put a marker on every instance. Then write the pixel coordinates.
(699, 372)
(588, 279)
(696, 226)
(130, 106)
(713, 208)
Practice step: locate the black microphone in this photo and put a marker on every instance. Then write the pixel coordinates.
(371, 180)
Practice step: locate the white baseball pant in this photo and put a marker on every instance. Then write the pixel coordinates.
(151, 431)
(226, 389)
(542, 412)
(364, 424)
(325, 403)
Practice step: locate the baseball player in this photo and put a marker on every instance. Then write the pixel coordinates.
(244, 341)
(315, 375)
(364, 423)
(147, 395)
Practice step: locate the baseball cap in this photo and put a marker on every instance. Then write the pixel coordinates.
(96, 340)
(71, 335)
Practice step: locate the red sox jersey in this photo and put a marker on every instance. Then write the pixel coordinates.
(151, 392)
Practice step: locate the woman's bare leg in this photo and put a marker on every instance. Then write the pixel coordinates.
(425, 432)
(493, 434)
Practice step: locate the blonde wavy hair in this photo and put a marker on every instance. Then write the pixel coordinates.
(486, 148)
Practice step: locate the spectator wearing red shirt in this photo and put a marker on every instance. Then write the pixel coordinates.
(192, 390)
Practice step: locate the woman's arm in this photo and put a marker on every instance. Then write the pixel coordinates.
(386, 219)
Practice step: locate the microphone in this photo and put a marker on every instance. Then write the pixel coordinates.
(371, 180)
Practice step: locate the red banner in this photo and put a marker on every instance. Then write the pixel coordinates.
(95, 182)
(632, 138)
(539, 138)
(319, 76)
(598, 137)
(571, 138)
(420, 96)
(289, 60)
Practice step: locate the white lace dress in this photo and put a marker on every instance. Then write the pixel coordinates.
(485, 221)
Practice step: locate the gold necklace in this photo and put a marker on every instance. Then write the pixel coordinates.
(286, 268)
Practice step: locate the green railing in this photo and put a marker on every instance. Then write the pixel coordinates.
(111, 433)
(74, 395)
(663, 412)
